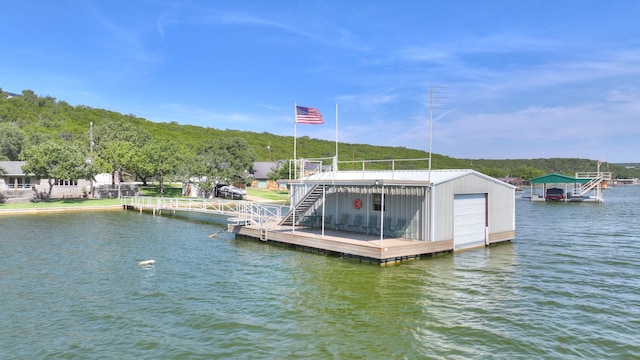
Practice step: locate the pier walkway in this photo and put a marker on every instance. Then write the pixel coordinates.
(238, 211)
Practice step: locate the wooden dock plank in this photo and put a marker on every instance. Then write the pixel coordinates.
(502, 236)
(342, 242)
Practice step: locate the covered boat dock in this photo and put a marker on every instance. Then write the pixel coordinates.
(584, 187)
(389, 216)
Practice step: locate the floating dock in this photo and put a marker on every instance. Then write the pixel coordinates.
(350, 245)
(381, 217)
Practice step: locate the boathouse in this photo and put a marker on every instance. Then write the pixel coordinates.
(391, 215)
(584, 187)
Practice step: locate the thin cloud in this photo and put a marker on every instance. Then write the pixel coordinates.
(122, 39)
(340, 38)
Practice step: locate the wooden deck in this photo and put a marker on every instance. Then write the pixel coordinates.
(260, 222)
(347, 244)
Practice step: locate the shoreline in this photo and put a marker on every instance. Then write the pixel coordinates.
(60, 209)
(111, 207)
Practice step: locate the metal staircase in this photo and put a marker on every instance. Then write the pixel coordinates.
(595, 180)
(307, 202)
(585, 188)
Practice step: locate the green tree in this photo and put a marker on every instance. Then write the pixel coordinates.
(30, 96)
(162, 159)
(280, 171)
(57, 161)
(116, 157)
(222, 160)
(527, 172)
(141, 166)
(117, 131)
(11, 141)
(32, 138)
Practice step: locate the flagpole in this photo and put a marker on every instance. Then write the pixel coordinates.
(295, 162)
(295, 159)
(335, 168)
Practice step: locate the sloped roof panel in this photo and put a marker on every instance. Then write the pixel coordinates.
(558, 179)
(434, 176)
(261, 170)
(13, 168)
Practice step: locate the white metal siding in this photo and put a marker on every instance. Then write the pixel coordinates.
(500, 204)
(469, 214)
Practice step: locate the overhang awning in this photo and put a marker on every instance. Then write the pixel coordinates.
(558, 179)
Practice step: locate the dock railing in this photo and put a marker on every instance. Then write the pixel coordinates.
(592, 175)
(391, 164)
(238, 211)
(250, 212)
(318, 165)
(218, 206)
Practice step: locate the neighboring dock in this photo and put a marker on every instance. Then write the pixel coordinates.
(584, 187)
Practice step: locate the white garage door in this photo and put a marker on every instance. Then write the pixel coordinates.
(469, 214)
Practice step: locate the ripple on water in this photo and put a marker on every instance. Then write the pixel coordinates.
(566, 287)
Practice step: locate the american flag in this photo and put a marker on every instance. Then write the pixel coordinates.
(308, 115)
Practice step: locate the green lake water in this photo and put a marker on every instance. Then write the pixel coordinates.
(567, 287)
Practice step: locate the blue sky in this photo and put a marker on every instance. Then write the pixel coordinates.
(514, 79)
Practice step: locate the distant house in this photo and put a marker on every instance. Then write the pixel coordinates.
(13, 178)
(513, 181)
(16, 186)
(9, 95)
(191, 188)
(313, 168)
(260, 172)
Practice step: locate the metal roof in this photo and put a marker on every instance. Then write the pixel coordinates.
(13, 168)
(558, 179)
(262, 169)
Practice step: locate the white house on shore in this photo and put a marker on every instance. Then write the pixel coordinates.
(16, 186)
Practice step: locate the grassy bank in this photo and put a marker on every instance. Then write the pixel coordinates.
(276, 196)
(282, 196)
(58, 203)
(172, 190)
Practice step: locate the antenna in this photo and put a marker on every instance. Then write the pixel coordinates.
(438, 97)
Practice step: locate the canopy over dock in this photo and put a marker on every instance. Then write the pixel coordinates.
(584, 187)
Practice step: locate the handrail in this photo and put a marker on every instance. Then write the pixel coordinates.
(320, 168)
(261, 213)
(590, 175)
(591, 184)
(248, 211)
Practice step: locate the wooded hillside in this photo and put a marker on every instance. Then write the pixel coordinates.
(28, 119)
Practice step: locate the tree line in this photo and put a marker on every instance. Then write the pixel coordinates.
(114, 145)
(53, 137)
